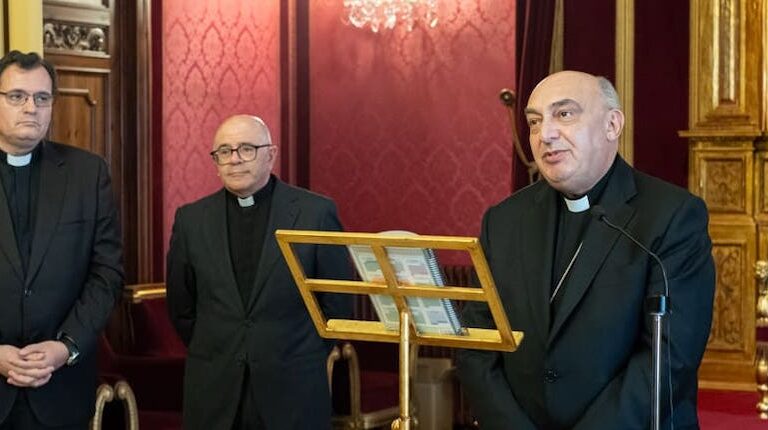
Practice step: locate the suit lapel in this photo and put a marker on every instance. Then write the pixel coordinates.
(217, 235)
(282, 215)
(598, 240)
(539, 235)
(51, 196)
(8, 244)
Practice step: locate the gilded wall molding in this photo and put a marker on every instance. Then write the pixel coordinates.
(558, 29)
(727, 168)
(727, 56)
(763, 89)
(724, 69)
(625, 73)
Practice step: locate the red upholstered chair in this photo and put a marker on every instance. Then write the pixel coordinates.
(152, 362)
(365, 384)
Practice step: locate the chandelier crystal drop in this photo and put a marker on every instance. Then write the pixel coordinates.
(385, 14)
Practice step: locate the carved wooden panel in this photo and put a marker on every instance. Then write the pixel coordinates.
(81, 28)
(761, 190)
(80, 111)
(82, 39)
(728, 360)
(762, 242)
(727, 332)
(725, 70)
(721, 177)
(728, 108)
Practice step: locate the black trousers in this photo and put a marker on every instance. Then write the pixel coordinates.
(247, 411)
(255, 412)
(22, 417)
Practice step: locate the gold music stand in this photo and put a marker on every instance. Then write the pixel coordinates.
(500, 339)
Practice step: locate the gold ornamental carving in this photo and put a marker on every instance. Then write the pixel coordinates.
(763, 203)
(727, 127)
(724, 185)
(726, 331)
(761, 273)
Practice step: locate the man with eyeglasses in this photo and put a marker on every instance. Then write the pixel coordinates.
(255, 359)
(60, 258)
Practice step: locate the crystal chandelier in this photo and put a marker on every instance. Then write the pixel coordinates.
(384, 14)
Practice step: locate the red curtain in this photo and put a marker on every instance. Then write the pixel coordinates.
(535, 19)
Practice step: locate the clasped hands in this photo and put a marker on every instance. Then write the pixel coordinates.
(33, 365)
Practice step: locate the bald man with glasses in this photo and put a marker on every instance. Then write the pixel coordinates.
(255, 360)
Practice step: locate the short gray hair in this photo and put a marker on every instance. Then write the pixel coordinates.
(610, 95)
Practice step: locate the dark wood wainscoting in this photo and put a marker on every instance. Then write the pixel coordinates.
(102, 54)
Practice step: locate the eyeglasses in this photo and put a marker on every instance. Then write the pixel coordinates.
(246, 151)
(19, 98)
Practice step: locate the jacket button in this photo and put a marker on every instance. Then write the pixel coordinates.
(550, 375)
(27, 292)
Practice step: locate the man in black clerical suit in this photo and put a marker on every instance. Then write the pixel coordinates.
(60, 258)
(255, 360)
(577, 288)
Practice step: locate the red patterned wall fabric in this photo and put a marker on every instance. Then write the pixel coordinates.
(407, 130)
(220, 57)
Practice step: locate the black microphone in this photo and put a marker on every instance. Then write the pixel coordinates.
(657, 303)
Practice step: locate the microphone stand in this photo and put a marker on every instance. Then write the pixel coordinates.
(657, 305)
(657, 308)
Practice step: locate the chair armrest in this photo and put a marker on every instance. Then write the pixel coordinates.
(137, 292)
(104, 394)
(330, 362)
(353, 364)
(125, 394)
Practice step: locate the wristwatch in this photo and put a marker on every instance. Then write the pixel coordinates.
(74, 353)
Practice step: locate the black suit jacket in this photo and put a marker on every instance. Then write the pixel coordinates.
(272, 334)
(73, 280)
(589, 367)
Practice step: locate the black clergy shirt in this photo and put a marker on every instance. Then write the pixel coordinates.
(20, 185)
(246, 228)
(569, 233)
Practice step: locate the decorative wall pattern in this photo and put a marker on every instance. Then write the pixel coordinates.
(220, 57)
(407, 130)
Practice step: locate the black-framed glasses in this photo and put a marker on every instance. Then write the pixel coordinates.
(19, 98)
(246, 152)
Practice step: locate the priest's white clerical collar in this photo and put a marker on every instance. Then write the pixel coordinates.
(578, 205)
(19, 160)
(246, 202)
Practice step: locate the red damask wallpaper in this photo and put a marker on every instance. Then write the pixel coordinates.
(407, 130)
(220, 57)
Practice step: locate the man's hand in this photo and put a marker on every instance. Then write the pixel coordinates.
(33, 365)
(9, 359)
(19, 371)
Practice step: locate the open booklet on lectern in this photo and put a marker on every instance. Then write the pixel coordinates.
(413, 266)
